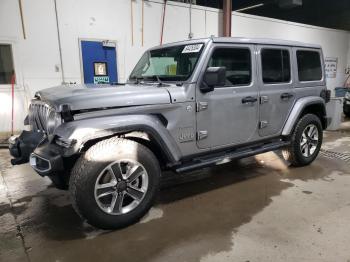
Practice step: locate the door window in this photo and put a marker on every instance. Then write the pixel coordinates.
(309, 65)
(237, 62)
(275, 66)
(6, 64)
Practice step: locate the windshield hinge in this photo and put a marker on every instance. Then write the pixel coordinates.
(202, 134)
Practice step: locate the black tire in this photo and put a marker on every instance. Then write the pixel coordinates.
(347, 114)
(86, 172)
(293, 154)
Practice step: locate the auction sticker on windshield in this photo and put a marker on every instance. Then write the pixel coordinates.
(192, 48)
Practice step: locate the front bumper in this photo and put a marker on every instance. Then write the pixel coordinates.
(47, 159)
(23, 145)
(43, 155)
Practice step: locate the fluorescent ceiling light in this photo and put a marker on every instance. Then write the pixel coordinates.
(249, 7)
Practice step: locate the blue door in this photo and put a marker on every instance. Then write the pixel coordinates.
(99, 62)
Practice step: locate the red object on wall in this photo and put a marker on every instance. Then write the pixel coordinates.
(13, 81)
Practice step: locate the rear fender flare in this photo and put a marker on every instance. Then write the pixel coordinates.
(298, 108)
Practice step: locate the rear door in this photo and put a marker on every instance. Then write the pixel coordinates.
(229, 114)
(276, 88)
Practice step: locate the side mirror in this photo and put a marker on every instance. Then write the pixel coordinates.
(214, 76)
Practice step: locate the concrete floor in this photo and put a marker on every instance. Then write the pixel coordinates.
(256, 209)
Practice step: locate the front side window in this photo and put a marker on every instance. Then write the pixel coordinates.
(275, 66)
(174, 63)
(309, 65)
(6, 64)
(237, 62)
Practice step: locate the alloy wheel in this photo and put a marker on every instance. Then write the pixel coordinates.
(121, 186)
(309, 140)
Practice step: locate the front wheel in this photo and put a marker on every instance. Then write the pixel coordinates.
(114, 183)
(306, 141)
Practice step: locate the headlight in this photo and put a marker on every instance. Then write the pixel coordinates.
(53, 121)
(347, 95)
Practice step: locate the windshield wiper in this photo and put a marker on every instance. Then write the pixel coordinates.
(160, 83)
(151, 77)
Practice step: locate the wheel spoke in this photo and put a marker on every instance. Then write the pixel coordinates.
(107, 193)
(135, 193)
(105, 189)
(303, 142)
(116, 171)
(134, 173)
(303, 147)
(304, 137)
(308, 150)
(312, 131)
(116, 203)
(314, 142)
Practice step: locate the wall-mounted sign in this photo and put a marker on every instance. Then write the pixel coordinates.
(100, 68)
(331, 64)
(101, 79)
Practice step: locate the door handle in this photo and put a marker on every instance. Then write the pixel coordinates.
(286, 96)
(249, 99)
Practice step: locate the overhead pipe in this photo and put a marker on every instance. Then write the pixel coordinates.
(132, 22)
(143, 22)
(227, 17)
(59, 43)
(190, 35)
(22, 19)
(163, 19)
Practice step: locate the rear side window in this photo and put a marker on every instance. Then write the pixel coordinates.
(275, 66)
(237, 62)
(309, 65)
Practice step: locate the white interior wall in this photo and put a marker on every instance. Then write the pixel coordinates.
(335, 43)
(37, 57)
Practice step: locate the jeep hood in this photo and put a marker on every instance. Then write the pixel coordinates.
(80, 97)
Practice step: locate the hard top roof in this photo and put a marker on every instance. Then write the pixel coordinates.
(243, 40)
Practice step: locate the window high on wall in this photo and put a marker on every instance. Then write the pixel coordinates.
(6, 64)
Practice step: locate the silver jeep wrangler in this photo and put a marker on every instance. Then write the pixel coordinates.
(186, 106)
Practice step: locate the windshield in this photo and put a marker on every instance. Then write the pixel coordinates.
(174, 63)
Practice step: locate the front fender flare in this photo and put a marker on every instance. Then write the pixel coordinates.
(85, 130)
(298, 109)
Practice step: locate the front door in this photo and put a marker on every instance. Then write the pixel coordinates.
(276, 88)
(99, 62)
(228, 115)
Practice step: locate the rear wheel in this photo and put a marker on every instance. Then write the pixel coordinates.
(306, 141)
(114, 183)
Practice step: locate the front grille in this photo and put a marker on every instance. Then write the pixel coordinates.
(39, 113)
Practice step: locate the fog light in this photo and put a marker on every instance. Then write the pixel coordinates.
(32, 161)
(38, 163)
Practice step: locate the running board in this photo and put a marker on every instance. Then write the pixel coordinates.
(227, 156)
